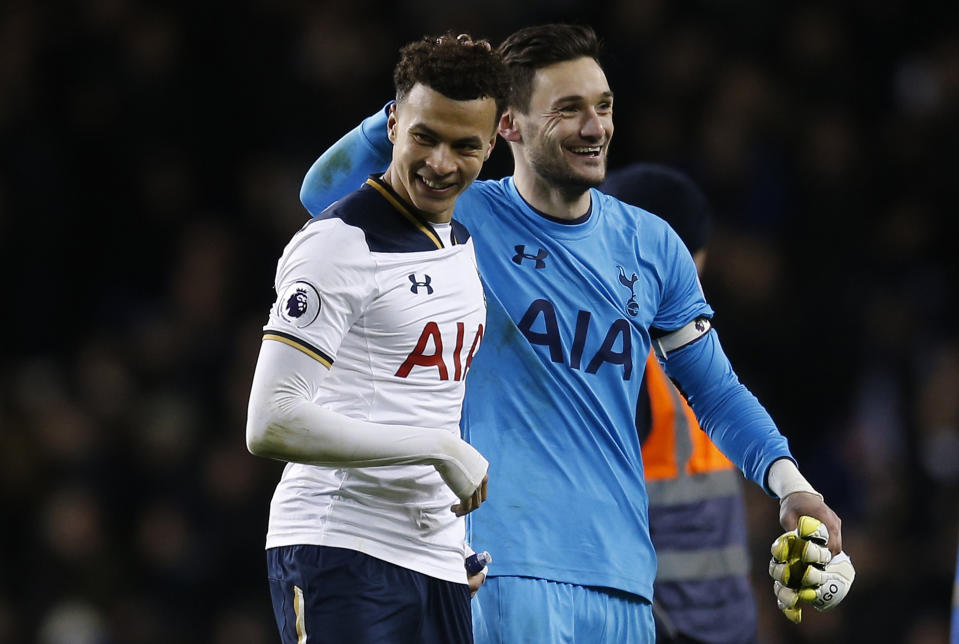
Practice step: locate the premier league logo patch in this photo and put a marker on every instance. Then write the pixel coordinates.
(299, 304)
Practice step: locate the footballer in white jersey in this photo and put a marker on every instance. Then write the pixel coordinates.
(371, 290)
(361, 375)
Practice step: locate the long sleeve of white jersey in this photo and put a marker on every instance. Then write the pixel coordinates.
(284, 423)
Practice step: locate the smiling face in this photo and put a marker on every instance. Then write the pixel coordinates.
(439, 146)
(569, 124)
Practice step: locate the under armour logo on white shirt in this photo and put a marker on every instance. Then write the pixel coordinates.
(417, 284)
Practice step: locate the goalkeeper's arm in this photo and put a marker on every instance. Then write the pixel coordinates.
(742, 429)
(344, 167)
(739, 424)
(727, 411)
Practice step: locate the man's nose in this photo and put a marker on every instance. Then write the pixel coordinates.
(440, 160)
(593, 126)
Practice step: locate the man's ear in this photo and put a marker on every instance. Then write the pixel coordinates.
(391, 123)
(509, 128)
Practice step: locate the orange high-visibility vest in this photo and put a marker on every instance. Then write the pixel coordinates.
(676, 443)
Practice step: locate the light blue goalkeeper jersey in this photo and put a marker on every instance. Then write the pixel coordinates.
(551, 395)
(551, 398)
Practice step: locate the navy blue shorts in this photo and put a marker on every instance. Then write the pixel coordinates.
(323, 594)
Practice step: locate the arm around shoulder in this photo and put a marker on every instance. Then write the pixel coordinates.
(347, 163)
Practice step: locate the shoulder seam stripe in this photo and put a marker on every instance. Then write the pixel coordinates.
(405, 212)
(296, 343)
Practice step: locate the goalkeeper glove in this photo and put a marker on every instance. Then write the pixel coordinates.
(804, 570)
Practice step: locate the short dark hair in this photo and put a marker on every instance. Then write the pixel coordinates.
(531, 48)
(456, 66)
(668, 193)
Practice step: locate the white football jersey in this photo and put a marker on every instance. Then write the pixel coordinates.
(371, 291)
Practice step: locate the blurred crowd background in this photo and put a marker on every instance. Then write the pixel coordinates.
(150, 160)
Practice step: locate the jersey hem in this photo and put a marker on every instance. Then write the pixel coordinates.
(588, 579)
(455, 573)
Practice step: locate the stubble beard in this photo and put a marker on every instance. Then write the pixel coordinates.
(555, 171)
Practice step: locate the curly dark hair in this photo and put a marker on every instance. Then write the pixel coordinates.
(531, 48)
(456, 66)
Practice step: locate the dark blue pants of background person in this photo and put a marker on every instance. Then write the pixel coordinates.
(333, 595)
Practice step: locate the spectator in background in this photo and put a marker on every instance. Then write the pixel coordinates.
(697, 522)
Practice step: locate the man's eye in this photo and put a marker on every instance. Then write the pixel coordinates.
(421, 138)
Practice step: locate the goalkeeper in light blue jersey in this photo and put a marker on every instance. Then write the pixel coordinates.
(579, 287)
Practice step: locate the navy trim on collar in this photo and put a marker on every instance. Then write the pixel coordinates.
(582, 219)
(390, 224)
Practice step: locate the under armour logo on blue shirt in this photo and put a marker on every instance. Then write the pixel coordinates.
(425, 284)
(521, 254)
(632, 306)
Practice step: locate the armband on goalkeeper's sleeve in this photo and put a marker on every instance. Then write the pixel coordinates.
(668, 342)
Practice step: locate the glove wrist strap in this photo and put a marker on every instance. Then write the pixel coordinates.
(785, 479)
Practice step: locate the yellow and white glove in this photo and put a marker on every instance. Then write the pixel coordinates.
(804, 570)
